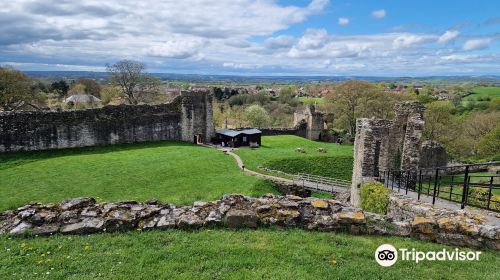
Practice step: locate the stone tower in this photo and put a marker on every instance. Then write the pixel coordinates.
(313, 119)
(384, 145)
(197, 116)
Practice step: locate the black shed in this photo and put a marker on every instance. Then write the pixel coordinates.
(239, 137)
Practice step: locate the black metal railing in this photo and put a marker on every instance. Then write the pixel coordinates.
(476, 185)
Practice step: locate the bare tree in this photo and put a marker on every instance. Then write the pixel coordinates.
(130, 77)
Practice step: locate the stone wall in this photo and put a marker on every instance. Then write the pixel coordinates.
(313, 119)
(85, 216)
(432, 154)
(383, 145)
(186, 116)
(370, 150)
(299, 129)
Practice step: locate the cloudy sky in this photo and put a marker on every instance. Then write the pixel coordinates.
(266, 37)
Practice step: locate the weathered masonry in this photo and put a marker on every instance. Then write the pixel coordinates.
(187, 118)
(383, 145)
(311, 120)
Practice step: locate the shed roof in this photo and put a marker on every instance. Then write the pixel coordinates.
(82, 98)
(233, 132)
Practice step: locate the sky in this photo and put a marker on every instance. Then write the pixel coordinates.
(266, 37)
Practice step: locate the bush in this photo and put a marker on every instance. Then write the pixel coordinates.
(375, 198)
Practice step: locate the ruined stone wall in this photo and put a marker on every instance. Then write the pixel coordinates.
(432, 154)
(406, 133)
(197, 115)
(85, 216)
(300, 130)
(186, 116)
(383, 145)
(370, 149)
(314, 120)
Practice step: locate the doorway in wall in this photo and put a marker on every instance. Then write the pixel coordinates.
(198, 139)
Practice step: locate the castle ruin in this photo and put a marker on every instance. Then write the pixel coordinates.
(312, 120)
(187, 118)
(382, 145)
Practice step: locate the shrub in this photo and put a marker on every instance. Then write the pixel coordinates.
(375, 197)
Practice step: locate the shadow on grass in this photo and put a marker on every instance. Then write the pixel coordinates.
(12, 159)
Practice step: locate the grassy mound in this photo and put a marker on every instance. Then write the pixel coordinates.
(173, 172)
(335, 167)
(284, 146)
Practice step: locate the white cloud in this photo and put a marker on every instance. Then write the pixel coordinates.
(180, 48)
(343, 21)
(215, 36)
(410, 40)
(448, 36)
(240, 65)
(378, 13)
(477, 44)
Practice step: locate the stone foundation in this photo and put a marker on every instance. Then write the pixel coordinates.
(85, 216)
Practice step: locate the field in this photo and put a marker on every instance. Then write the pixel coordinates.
(311, 100)
(339, 167)
(481, 96)
(482, 92)
(283, 147)
(172, 172)
(225, 254)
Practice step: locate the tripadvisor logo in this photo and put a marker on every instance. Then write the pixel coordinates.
(386, 255)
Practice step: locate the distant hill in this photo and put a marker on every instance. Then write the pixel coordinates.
(269, 79)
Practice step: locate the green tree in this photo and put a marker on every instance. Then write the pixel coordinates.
(489, 145)
(92, 87)
(257, 116)
(347, 102)
(108, 93)
(60, 88)
(438, 117)
(17, 91)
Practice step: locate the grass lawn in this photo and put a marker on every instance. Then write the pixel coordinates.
(283, 147)
(225, 254)
(169, 171)
(311, 100)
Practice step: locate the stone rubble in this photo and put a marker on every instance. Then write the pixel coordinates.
(85, 216)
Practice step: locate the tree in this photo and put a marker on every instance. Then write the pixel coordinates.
(438, 117)
(130, 77)
(347, 100)
(257, 116)
(91, 86)
(108, 93)
(17, 91)
(489, 145)
(60, 87)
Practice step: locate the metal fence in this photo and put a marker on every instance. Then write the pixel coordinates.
(320, 183)
(476, 185)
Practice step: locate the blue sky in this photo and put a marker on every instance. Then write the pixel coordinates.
(266, 37)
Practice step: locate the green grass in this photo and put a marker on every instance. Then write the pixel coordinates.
(283, 147)
(169, 171)
(225, 254)
(311, 100)
(481, 96)
(339, 167)
(491, 92)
